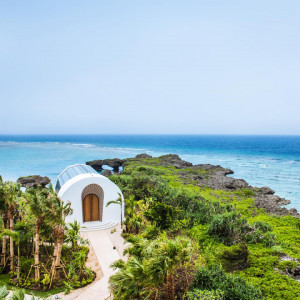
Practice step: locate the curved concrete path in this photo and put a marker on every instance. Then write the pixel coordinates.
(102, 242)
(106, 255)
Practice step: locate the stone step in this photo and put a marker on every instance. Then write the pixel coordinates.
(91, 226)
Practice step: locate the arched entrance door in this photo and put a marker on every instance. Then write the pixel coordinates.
(91, 208)
(92, 203)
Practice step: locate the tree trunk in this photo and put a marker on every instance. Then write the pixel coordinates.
(11, 241)
(57, 261)
(55, 237)
(18, 269)
(170, 287)
(59, 249)
(121, 215)
(37, 251)
(4, 239)
(3, 250)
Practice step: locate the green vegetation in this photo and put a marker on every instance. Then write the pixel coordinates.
(39, 251)
(195, 242)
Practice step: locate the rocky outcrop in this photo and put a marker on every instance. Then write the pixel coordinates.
(215, 177)
(114, 163)
(293, 272)
(143, 155)
(106, 173)
(174, 160)
(207, 175)
(33, 181)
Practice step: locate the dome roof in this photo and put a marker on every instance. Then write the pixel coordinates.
(72, 171)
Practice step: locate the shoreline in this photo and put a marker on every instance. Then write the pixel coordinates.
(216, 177)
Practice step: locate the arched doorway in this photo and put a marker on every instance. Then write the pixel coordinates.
(91, 208)
(92, 203)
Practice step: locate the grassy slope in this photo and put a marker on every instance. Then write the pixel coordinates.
(263, 260)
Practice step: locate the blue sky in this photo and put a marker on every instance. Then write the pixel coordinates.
(102, 67)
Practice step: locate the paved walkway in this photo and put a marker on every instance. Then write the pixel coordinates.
(102, 242)
(106, 255)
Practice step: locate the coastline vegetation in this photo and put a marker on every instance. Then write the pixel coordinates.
(39, 251)
(192, 242)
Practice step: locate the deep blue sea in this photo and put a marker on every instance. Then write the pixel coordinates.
(272, 161)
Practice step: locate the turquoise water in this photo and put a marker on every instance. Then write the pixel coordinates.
(272, 161)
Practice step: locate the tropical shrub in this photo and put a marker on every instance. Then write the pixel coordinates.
(234, 288)
(228, 228)
(197, 294)
(235, 257)
(163, 215)
(152, 265)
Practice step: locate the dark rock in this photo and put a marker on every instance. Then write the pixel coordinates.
(291, 272)
(293, 211)
(265, 190)
(286, 257)
(143, 155)
(33, 181)
(217, 170)
(174, 160)
(114, 163)
(234, 184)
(106, 173)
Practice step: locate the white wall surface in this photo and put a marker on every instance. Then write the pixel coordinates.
(72, 191)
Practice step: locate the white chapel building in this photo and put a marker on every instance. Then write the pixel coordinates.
(88, 191)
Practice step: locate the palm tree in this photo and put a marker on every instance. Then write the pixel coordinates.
(12, 191)
(4, 240)
(73, 234)
(79, 260)
(118, 201)
(16, 237)
(165, 258)
(151, 269)
(57, 211)
(37, 198)
(128, 282)
(4, 215)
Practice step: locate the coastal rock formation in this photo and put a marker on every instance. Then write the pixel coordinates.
(33, 181)
(106, 173)
(143, 155)
(174, 160)
(293, 272)
(114, 163)
(216, 177)
(211, 176)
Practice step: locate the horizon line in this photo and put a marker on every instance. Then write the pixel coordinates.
(145, 134)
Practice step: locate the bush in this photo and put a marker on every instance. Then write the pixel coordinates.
(162, 214)
(200, 211)
(228, 228)
(268, 239)
(234, 288)
(25, 264)
(235, 257)
(197, 294)
(68, 287)
(3, 292)
(262, 226)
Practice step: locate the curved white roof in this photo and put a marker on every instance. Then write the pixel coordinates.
(72, 171)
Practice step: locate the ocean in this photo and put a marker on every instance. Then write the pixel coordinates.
(272, 161)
